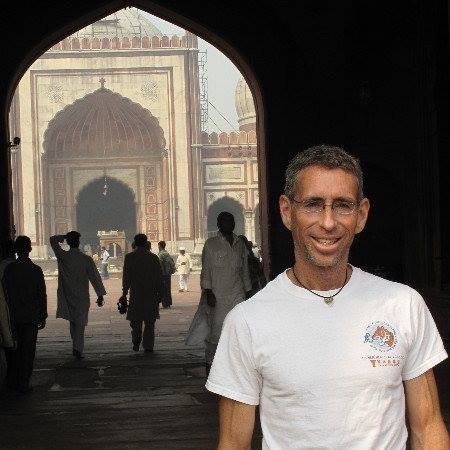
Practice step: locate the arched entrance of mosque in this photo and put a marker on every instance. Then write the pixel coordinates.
(230, 205)
(105, 139)
(110, 208)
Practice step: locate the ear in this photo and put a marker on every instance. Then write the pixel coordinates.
(363, 212)
(285, 211)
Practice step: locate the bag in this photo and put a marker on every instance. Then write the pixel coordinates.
(122, 305)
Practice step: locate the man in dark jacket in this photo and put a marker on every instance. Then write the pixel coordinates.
(24, 286)
(142, 276)
(168, 268)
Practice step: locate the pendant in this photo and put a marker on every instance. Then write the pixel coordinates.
(328, 300)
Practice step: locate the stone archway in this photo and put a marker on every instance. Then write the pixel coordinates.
(105, 209)
(225, 204)
(105, 134)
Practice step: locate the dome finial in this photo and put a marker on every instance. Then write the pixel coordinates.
(102, 81)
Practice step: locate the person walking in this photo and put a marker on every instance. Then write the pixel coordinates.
(6, 337)
(104, 258)
(224, 279)
(75, 271)
(142, 278)
(24, 287)
(183, 266)
(168, 269)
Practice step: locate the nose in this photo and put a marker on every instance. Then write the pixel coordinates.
(327, 218)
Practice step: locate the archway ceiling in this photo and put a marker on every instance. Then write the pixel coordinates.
(103, 124)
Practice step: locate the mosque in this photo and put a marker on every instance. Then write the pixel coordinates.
(112, 141)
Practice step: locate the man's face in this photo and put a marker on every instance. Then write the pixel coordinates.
(182, 252)
(225, 223)
(323, 239)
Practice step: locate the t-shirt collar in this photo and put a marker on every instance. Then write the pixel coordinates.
(298, 291)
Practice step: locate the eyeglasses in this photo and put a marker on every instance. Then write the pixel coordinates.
(317, 206)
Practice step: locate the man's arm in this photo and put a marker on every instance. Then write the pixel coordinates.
(206, 278)
(428, 431)
(237, 421)
(55, 241)
(245, 269)
(205, 274)
(42, 294)
(125, 276)
(95, 278)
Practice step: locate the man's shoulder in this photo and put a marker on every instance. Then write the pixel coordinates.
(36, 267)
(382, 288)
(83, 256)
(23, 265)
(256, 312)
(375, 281)
(153, 257)
(269, 297)
(212, 241)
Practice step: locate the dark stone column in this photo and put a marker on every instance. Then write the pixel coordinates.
(6, 210)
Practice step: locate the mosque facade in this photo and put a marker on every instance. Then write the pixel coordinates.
(111, 141)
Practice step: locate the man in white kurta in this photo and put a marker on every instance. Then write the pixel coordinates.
(224, 278)
(75, 271)
(183, 265)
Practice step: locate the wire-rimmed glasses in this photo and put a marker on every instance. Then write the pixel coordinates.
(317, 206)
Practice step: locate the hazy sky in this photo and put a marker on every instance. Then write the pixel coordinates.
(222, 79)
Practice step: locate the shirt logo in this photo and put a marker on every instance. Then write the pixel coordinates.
(380, 336)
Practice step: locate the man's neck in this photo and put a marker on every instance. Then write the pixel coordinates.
(320, 278)
(228, 236)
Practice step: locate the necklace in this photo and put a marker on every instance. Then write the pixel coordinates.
(327, 299)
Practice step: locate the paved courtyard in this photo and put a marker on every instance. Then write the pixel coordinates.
(114, 398)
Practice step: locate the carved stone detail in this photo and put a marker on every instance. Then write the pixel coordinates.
(151, 203)
(55, 93)
(150, 90)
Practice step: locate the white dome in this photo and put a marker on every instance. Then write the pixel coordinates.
(127, 22)
(245, 106)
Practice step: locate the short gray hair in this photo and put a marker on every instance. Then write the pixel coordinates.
(329, 156)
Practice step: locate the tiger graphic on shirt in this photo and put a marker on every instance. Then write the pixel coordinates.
(381, 336)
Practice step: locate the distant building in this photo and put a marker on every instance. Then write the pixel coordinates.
(111, 139)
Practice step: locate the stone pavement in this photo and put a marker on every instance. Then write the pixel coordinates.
(114, 398)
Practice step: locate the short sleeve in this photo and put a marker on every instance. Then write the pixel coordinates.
(426, 347)
(233, 373)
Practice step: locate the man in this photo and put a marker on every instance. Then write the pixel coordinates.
(24, 287)
(75, 271)
(328, 351)
(6, 337)
(105, 257)
(142, 276)
(168, 268)
(224, 278)
(183, 269)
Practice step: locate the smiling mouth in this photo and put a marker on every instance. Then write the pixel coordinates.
(326, 241)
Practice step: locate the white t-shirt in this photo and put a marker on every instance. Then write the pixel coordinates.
(327, 377)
